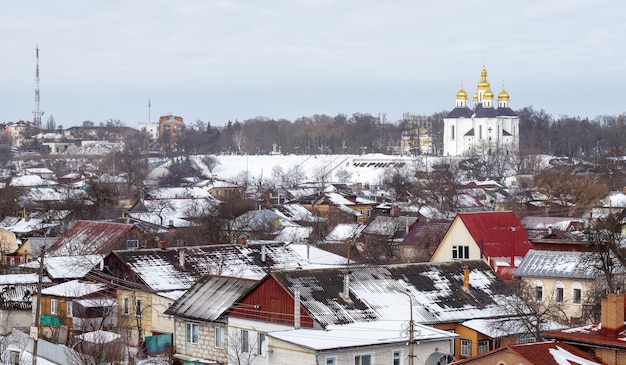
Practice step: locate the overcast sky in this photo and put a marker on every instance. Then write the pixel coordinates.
(226, 60)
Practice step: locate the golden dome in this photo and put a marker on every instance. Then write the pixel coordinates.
(488, 94)
(475, 98)
(461, 94)
(483, 84)
(503, 95)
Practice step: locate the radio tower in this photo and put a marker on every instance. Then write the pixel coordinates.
(37, 113)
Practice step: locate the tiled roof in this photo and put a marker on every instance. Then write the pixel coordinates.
(590, 335)
(90, 237)
(382, 292)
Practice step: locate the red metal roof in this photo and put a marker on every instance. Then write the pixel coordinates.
(90, 237)
(493, 229)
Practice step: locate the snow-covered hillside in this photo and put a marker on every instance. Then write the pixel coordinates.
(365, 169)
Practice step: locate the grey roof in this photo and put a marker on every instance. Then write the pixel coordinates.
(481, 112)
(210, 297)
(377, 293)
(506, 112)
(160, 269)
(459, 112)
(557, 264)
(395, 226)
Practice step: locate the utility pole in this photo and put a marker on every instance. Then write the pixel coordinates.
(34, 331)
(411, 333)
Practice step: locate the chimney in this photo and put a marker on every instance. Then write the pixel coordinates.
(263, 253)
(512, 246)
(181, 258)
(549, 230)
(345, 294)
(242, 240)
(171, 223)
(612, 315)
(466, 274)
(162, 245)
(296, 306)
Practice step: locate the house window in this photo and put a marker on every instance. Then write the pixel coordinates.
(125, 306)
(53, 306)
(138, 308)
(331, 361)
(396, 357)
(69, 312)
(466, 348)
(538, 291)
(577, 293)
(369, 213)
(363, 360)
(483, 346)
(130, 244)
(192, 332)
(452, 132)
(558, 292)
(219, 337)
(526, 338)
(460, 252)
(245, 341)
(260, 342)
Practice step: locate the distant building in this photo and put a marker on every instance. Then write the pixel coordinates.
(417, 140)
(171, 128)
(151, 128)
(486, 128)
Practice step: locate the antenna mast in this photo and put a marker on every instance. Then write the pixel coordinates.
(37, 113)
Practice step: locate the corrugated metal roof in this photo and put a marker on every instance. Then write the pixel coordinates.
(90, 237)
(558, 264)
(210, 297)
(493, 230)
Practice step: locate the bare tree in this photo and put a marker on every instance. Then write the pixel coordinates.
(242, 350)
(211, 163)
(530, 310)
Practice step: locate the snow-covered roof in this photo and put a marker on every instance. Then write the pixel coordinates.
(503, 327)
(317, 256)
(54, 193)
(161, 271)
(615, 200)
(360, 335)
(294, 234)
(99, 336)
(177, 193)
(558, 264)
(343, 232)
(30, 181)
(434, 291)
(67, 267)
(73, 289)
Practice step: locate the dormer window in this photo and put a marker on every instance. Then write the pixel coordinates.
(130, 244)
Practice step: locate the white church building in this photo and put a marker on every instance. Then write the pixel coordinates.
(486, 128)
